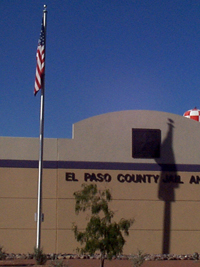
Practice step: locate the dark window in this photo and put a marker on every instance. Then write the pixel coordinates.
(146, 143)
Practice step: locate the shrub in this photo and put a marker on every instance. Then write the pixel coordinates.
(2, 253)
(39, 256)
(138, 259)
(58, 263)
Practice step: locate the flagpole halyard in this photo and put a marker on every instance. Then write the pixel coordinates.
(41, 86)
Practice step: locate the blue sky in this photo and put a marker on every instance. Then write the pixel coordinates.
(101, 56)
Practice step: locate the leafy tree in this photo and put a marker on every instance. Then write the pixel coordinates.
(101, 233)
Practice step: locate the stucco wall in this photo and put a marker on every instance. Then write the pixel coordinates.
(152, 191)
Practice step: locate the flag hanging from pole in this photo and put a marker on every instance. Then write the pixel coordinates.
(40, 84)
(40, 61)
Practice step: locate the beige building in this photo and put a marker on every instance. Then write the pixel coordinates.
(149, 160)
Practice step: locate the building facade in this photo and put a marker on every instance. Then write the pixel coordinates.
(149, 160)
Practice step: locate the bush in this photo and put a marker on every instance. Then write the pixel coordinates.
(39, 256)
(58, 263)
(138, 260)
(195, 256)
(2, 253)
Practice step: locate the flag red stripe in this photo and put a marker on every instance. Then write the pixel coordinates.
(40, 63)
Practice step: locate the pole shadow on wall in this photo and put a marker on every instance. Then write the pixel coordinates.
(169, 181)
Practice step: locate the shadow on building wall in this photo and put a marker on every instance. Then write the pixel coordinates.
(169, 181)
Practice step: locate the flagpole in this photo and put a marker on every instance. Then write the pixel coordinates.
(40, 168)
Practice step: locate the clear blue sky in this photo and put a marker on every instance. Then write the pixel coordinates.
(101, 56)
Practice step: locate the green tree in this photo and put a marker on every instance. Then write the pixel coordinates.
(102, 233)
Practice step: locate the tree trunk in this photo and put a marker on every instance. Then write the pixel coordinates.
(102, 260)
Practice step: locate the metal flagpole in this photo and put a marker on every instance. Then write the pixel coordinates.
(39, 205)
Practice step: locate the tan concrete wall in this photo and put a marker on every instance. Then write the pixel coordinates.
(105, 139)
(130, 200)
(140, 201)
(18, 196)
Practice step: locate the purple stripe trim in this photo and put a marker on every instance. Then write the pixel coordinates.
(99, 165)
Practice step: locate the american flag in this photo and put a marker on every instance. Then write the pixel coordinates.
(40, 58)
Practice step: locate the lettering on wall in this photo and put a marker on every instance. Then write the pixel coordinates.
(130, 178)
(137, 178)
(99, 177)
(194, 179)
(70, 177)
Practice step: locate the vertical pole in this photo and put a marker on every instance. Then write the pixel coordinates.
(39, 204)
